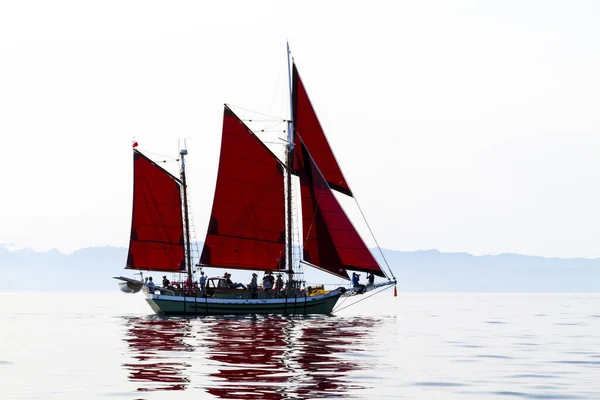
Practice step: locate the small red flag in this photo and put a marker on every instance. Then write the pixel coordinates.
(134, 143)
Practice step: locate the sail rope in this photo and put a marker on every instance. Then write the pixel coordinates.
(194, 250)
(358, 301)
(273, 118)
(374, 238)
(169, 158)
(269, 130)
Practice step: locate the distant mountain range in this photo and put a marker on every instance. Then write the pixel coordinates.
(92, 269)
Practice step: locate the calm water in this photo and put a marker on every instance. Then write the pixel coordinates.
(427, 346)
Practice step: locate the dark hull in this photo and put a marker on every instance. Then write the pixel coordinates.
(176, 305)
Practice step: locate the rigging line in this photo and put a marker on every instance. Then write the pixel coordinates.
(259, 113)
(161, 155)
(193, 227)
(279, 120)
(273, 125)
(279, 143)
(374, 238)
(365, 298)
(342, 302)
(278, 131)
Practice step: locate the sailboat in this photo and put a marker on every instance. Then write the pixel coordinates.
(251, 225)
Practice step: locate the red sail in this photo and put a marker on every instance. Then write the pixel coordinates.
(308, 127)
(156, 242)
(330, 240)
(247, 223)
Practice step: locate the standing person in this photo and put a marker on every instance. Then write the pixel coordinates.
(151, 286)
(166, 282)
(278, 285)
(370, 279)
(253, 285)
(203, 283)
(268, 284)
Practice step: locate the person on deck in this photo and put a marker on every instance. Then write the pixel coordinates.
(253, 285)
(166, 282)
(230, 283)
(356, 284)
(370, 279)
(268, 281)
(278, 285)
(151, 286)
(203, 283)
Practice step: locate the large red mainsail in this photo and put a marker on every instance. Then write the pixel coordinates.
(330, 240)
(308, 127)
(247, 223)
(156, 242)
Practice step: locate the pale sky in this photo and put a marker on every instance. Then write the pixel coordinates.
(461, 126)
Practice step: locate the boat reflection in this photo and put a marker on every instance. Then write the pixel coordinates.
(251, 357)
(150, 341)
(277, 358)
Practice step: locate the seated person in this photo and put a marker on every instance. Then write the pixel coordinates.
(230, 283)
(356, 284)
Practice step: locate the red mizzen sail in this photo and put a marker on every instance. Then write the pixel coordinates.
(308, 127)
(330, 240)
(156, 242)
(247, 223)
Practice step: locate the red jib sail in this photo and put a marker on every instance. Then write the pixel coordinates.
(247, 223)
(308, 127)
(330, 240)
(156, 242)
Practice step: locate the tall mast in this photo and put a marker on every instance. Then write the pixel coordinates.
(186, 219)
(289, 164)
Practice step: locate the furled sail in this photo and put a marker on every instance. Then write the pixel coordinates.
(156, 242)
(330, 240)
(247, 223)
(308, 127)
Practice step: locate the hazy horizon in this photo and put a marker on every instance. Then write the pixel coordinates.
(375, 250)
(419, 271)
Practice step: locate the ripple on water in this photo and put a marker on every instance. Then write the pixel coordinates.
(468, 345)
(535, 395)
(578, 362)
(533, 376)
(494, 356)
(439, 384)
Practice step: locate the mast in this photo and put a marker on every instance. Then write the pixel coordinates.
(289, 165)
(186, 219)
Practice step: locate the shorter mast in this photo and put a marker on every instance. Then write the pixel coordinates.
(186, 219)
(289, 166)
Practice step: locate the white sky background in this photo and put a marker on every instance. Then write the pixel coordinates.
(466, 127)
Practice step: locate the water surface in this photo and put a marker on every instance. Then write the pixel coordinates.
(414, 346)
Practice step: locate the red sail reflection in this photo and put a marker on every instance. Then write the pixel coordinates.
(277, 358)
(150, 340)
(250, 358)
